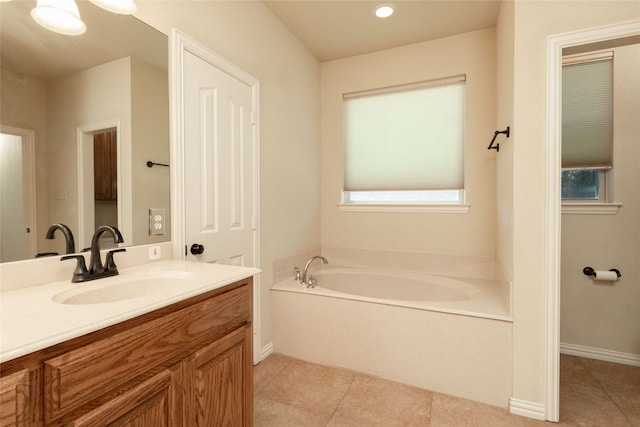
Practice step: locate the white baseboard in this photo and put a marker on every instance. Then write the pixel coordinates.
(527, 409)
(600, 354)
(266, 351)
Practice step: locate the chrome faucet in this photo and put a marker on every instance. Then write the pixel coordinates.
(305, 279)
(96, 269)
(68, 237)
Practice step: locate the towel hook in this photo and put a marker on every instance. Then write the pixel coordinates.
(498, 132)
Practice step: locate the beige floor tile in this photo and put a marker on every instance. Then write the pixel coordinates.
(289, 392)
(267, 370)
(613, 372)
(268, 413)
(491, 416)
(373, 402)
(450, 411)
(622, 385)
(573, 370)
(304, 390)
(588, 406)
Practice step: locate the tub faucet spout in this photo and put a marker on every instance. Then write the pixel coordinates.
(306, 268)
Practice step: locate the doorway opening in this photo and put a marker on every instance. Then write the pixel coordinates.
(105, 180)
(18, 228)
(104, 187)
(555, 48)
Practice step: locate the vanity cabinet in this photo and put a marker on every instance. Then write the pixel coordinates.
(154, 402)
(14, 399)
(188, 364)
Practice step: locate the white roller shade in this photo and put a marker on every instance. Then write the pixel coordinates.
(587, 113)
(410, 138)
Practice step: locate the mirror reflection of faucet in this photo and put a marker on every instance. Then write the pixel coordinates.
(308, 281)
(70, 244)
(96, 269)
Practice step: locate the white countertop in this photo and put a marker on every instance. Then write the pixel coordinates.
(31, 320)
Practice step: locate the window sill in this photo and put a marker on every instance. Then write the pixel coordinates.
(404, 207)
(590, 208)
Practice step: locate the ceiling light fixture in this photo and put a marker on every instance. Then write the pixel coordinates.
(122, 7)
(384, 10)
(60, 16)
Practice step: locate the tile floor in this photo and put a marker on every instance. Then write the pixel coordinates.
(290, 392)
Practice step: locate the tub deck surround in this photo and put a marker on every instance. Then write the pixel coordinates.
(463, 296)
(32, 319)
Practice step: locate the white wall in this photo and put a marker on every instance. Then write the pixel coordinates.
(467, 234)
(606, 316)
(533, 23)
(248, 35)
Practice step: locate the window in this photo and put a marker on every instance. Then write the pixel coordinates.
(587, 126)
(405, 144)
(583, 184)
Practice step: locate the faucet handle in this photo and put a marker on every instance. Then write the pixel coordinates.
(109, 264)
(312, 281)
(80, 274)
(298, 274)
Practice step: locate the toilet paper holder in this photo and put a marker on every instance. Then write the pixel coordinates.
(588, 271)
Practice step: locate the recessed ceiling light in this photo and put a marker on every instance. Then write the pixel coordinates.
(384, 11)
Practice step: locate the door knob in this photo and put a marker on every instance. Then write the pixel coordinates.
(197, 249)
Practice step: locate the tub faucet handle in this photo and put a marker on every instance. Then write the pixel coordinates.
(298, 274)
(312, 281)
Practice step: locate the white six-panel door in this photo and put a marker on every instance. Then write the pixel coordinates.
(219, 216)
(215, 187)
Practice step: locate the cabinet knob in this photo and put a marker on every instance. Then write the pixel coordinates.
(197, 249)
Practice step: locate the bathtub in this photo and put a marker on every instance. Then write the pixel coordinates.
(445, 334)
(470, 297)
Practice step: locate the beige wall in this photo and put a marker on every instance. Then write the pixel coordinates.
(69, 106)
(469, 234)
(504, 159)
(533, 22)
(150, 141)
(606, 316)
(248, 35)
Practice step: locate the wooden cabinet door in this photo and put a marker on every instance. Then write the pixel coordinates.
(156, 402)
(105, 165)
(14, 399)
(218, 383)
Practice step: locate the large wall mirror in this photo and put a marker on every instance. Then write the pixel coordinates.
(82, 120)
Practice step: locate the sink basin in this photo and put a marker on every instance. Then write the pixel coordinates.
(121, 288)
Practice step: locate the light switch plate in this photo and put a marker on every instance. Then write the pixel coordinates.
(156, 222)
